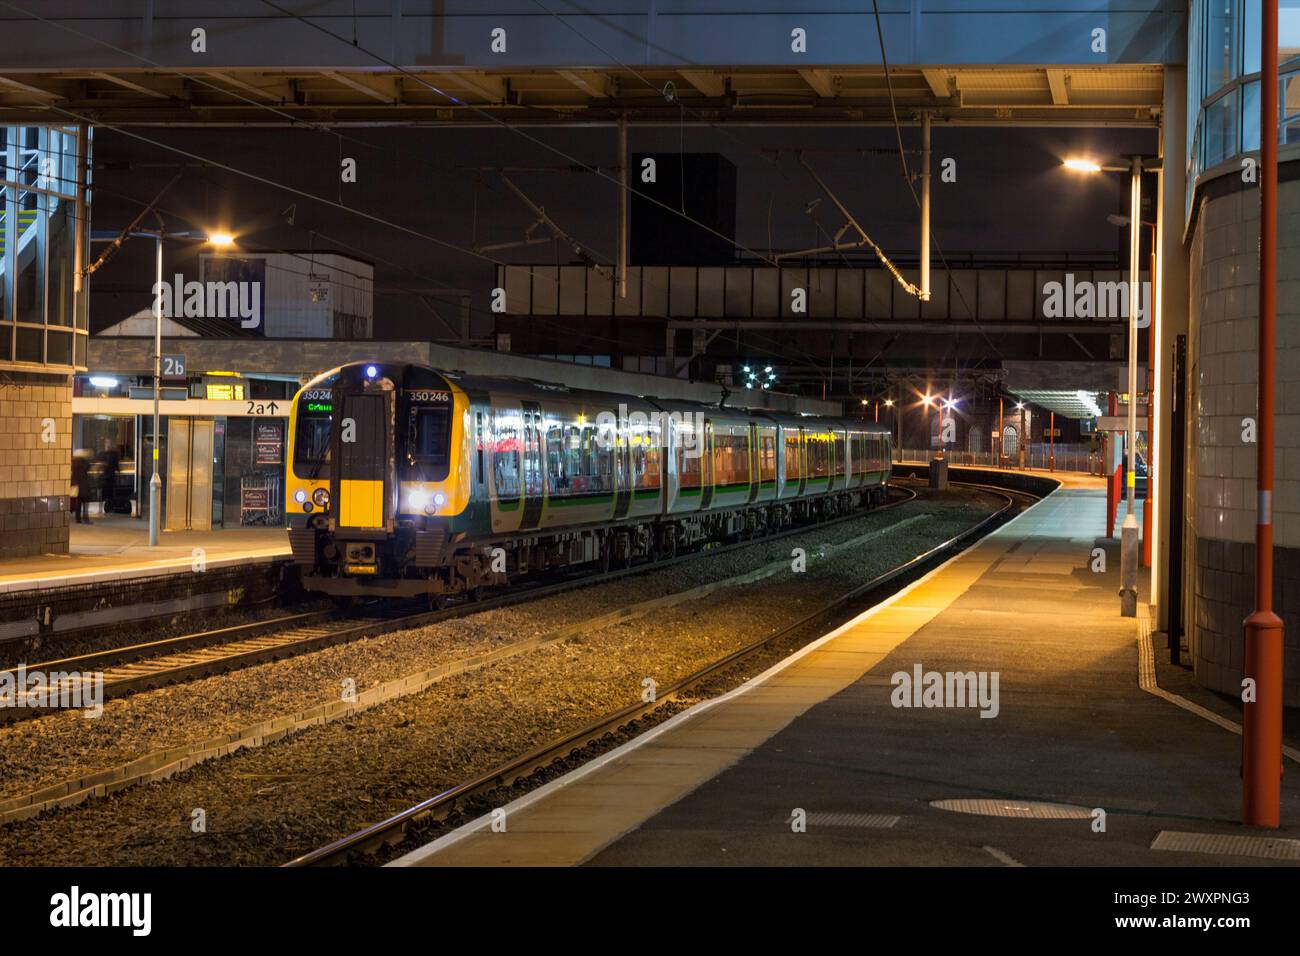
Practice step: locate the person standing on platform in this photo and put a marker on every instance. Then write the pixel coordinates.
(80, 484)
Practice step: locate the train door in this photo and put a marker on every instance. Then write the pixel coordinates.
(753, 461)
(532, 466)
(360, 481)
(706, 467)
(622, 474)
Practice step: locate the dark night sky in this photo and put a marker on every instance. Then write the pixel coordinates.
(1010, 196)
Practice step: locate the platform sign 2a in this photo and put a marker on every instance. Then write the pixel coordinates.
(173, 366)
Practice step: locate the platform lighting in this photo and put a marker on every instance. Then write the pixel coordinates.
(889, 403)
(1020, 406)
(1080, 165)
(221, 239)
(1134, 166)
(103, 381)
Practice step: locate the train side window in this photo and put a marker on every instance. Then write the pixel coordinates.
(838, 466)
(688, 458)
(793, 461)
(557, 474)
(645, 458)
(505, 455)
(767, 455)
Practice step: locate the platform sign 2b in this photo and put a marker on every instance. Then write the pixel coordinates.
(173, 366)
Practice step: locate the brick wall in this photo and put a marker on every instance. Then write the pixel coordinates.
(34, 472)
(1223, 381)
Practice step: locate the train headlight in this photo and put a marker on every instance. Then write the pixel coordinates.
(439, 500)
(300, 496)
(416, 499)
(321, 497)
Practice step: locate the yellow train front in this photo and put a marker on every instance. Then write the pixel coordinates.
(378, 481)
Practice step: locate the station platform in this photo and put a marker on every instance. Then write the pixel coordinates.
(1088, 762)
(116, 548)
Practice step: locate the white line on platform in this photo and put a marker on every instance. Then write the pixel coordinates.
(1147, 681)
(1002, 857)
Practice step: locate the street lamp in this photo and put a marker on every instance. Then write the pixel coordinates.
(220, 240)
(1129, 533)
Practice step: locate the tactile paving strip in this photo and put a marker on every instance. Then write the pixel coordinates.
(1026, 809)
(876, 821)
(1269, 848)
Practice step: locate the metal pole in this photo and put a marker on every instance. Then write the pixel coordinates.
(622, 207)
(1020, 440)
(925, 211)
(1261, 714)
(1128, 548)
(1051, 439)
(155, 482)
(1151, 414)
(1002, 417)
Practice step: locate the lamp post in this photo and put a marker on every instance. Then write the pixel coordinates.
(1129, 556)
(1020, 438)
(219, 240)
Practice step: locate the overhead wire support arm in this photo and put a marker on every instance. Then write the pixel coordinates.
(865, 240)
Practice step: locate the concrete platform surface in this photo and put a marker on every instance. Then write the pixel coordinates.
(116, 547)
(820, 736)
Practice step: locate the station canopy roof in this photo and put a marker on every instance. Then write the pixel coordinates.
(996, 94)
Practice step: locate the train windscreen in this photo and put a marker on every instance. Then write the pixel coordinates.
(311, 441)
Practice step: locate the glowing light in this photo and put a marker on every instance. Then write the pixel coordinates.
(103, 381)
(371, 371)
(221, 239)
(1020, 405)
(1088, 402)
(418, 498)
(1082, 165)
(300, 496)
(439, 499)
(889, 403)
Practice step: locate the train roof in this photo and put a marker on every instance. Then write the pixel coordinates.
(536, 388)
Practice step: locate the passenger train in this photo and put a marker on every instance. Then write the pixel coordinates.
(406, 481)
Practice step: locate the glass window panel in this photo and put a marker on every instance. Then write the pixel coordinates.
(1289, 104)
(1222, 29)
(6, 342)
(1250, 117)
(29, 279)
(1288, 30)
(79, 343)
(5, 240)
(30, 342)
(60, 348)
(1220, 129)
(1250, 37)
(61, 238)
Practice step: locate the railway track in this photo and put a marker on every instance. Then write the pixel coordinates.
(397, 828)
(131, 669)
